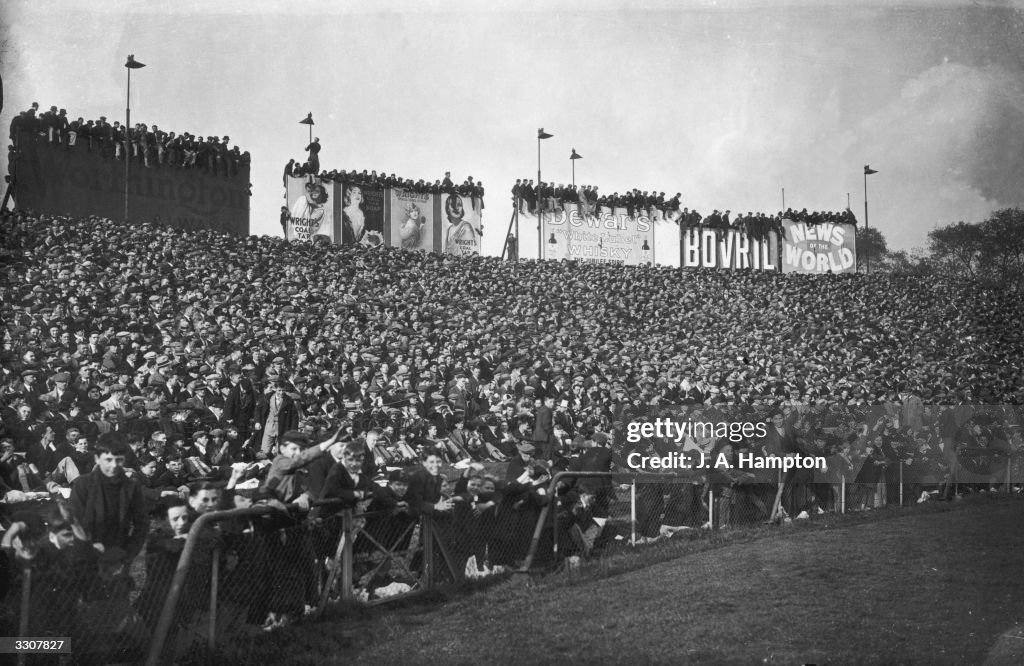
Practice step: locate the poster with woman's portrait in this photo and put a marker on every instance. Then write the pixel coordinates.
(362, 215)
(462, 232)
(412, 220)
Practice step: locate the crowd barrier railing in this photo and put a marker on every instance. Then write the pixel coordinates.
(297, 569)
(241, 566)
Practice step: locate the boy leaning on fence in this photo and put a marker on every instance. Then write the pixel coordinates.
(286, 480)
(289, 576)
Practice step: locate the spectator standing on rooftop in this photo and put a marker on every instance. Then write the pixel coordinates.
(314, 156)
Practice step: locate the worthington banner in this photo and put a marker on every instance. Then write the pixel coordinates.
(372, 215)
(818, 248)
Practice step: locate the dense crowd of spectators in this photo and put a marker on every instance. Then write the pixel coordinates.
(403, 342)
(147, 145)
(872, 454)
(468, 188)
(191, 370)
(525, 193)
(656, 205)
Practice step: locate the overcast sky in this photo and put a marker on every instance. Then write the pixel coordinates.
(725, 102)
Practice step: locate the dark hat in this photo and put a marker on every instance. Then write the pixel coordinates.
(398, 475)
(200, 433)
(60, 377)
(526, 447)
(297, 437)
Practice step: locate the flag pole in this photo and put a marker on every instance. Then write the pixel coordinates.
(541, 134)
(867, 248)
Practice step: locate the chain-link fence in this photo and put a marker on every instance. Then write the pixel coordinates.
(256, 569)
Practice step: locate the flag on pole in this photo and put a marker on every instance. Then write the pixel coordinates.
(308, 120)
(575, 155)
(868, 170)
(541, 134)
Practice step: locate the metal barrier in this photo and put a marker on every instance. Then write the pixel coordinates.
(297, 569)
(237, 567)
(76, 595)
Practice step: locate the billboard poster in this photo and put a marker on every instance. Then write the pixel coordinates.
(362, 215)
(704, 247)
(461, 225)
(413, 221)
(818, 248)
(609, 236)
(311, 209)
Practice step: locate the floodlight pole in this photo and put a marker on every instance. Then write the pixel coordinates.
(129, 64)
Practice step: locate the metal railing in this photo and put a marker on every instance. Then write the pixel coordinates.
(349, 556)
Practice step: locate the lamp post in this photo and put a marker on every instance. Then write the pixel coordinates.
(541, 135)
(867, 248)
(572, 158)
(308, 120)
(129, 64)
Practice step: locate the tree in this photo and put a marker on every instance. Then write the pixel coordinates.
(902, 262)
(870, 244)
(991, 250)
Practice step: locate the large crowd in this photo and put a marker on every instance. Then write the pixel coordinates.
(147, 145)
(311, 168)
(655, 205)
(170, 372)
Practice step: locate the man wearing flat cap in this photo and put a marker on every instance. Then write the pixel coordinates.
(593, 494)
(286, 480)
(543, 429)
(282, 415)
(62, 394)
(240, 405)
(28, 387)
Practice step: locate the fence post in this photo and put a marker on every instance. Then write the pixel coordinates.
(427, 534)
(347, 583)
(26, 597)
(214, 583)
(711, 507)
(901, 483)
(632, 513)
(842, 495)
(553, 503)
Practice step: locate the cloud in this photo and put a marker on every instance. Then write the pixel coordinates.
(947, 148)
